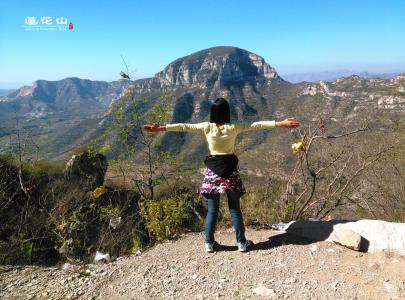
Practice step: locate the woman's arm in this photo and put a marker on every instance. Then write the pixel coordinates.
(184, 127)
(287, 123)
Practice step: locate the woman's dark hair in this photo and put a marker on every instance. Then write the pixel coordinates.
(220, 112)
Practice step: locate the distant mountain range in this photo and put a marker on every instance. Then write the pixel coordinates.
(333, 75)
(67, 113)
(5, 92)
(67, 95)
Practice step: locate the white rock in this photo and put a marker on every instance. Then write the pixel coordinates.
(69, 267)
(102, 257)
(378, 235)
(115, 222)
(290, 280)
(261, 290)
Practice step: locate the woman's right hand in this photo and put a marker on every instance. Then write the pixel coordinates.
(288, 123)
(151, 127)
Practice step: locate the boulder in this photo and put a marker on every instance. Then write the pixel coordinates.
(347, 238)
(87, 169)
(376, 235)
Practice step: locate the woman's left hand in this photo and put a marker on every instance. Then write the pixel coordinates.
(289, 123)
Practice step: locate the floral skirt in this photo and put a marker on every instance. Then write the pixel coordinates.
(215, 184)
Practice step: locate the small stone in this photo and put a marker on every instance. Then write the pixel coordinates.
(390, 288)
(261, 290)
(290, 280)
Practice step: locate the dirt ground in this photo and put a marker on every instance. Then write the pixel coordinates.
(284, 267)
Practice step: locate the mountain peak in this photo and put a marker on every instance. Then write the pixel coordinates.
(215, 67)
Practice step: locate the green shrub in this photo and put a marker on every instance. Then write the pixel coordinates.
(109, 212)
(17, 249)
(97, 193)
(167, 218)
(84, 149)
(105, 219)
(44, 168)
(25, 235)
(57, 219)
(136, 244)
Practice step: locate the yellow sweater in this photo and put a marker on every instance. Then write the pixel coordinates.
(220, 139)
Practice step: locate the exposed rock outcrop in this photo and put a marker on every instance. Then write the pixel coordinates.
(87, 169)
(216, 67)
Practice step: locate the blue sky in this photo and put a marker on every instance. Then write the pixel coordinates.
(292, 36)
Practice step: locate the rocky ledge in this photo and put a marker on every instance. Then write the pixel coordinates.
(279, 266)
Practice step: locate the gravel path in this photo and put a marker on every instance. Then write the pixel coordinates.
(281, 266)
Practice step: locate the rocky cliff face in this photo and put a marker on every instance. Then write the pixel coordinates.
(217, 66)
